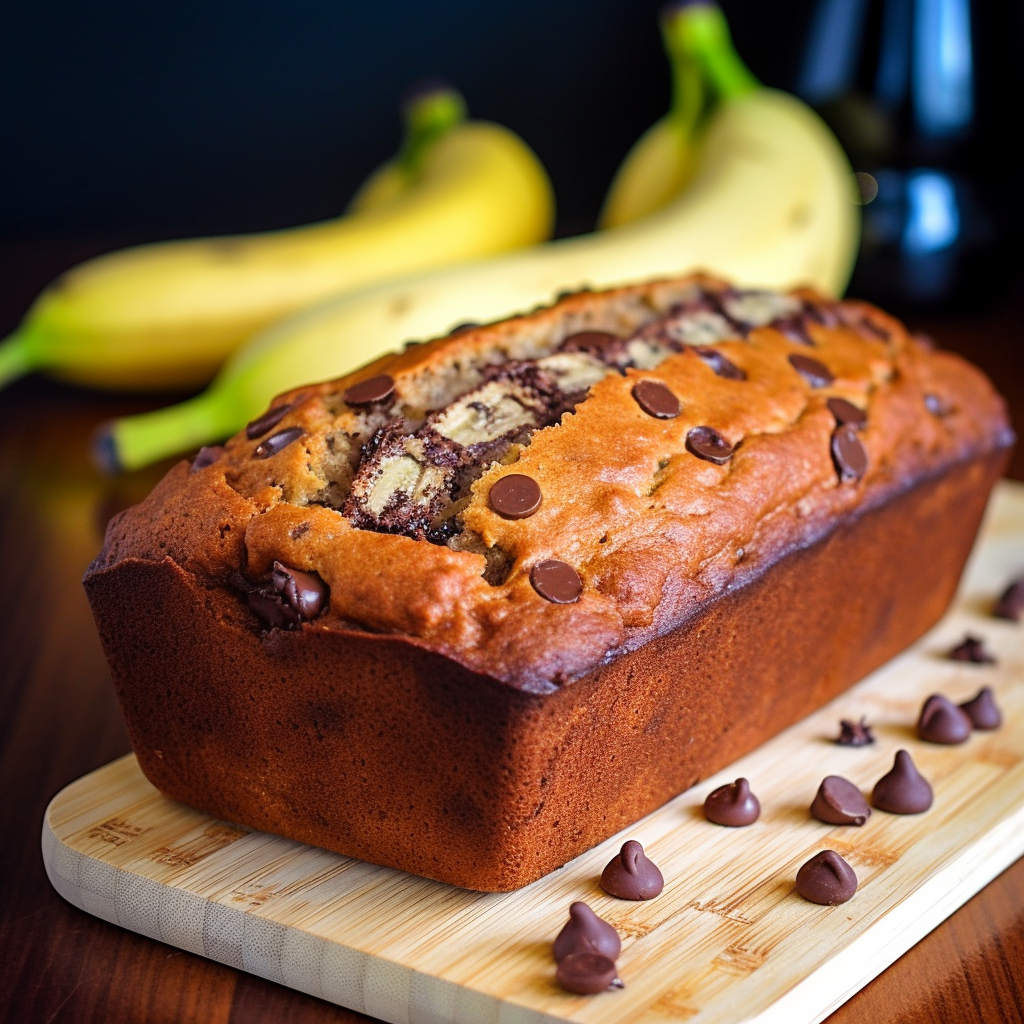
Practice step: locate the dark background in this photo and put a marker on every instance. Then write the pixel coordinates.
(127, 121)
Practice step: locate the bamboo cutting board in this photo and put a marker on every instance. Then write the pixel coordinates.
(728, 940)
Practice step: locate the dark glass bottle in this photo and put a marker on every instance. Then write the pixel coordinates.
(924, 95)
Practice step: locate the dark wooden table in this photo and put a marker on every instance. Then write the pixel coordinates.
(59, 719)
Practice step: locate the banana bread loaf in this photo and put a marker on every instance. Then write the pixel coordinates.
(485, 602)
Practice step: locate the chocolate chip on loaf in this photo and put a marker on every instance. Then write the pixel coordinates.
(277, 442)
(722, 366)
(656, 400)
(370, 391)
(290, 598)
(846, 413)
(515, 496)
(848, 453)
(815, 372)
(602, 344)
(556, 581)
(936, 404)
(708, 444)
(206, 456)
(265, 423)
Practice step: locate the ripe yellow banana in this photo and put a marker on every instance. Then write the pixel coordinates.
(664, 159)
(167, 315)
(771, 205)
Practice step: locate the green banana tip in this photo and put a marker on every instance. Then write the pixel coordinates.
(677, 18)
(430, 110)
(16, 357)
(433, 102)
(698, 29)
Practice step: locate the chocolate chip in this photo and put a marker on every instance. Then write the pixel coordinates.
(304, 591)
(972, 649)
(265, 423)
(585, 932)
(903, 790)
(586, 974)
(556, 581)
(720, 364)
(868, 326)
(594, 342)
(982, 710)
(206, 456)
(817, 374)
(1011, 603)
(826, 879)
(373, 389)
(839, 802)
(271, 609)
(794, 328)
(848, 454)
(707, 443)
(941, 721)
(824, 313)
(847, 413)
(515, 496)
(855, 734)
(733, 805)
(630, 875)
(277, 442)
(656, 400)
(291, 597)
(468, 325)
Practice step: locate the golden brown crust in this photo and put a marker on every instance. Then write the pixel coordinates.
(652, 531)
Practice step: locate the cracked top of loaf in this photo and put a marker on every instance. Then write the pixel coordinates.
(533, 497)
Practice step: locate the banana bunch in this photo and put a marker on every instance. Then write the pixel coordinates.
(167, 315)
(664, 159)
(770, 203)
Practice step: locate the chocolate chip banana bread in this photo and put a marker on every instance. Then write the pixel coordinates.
(483, 603)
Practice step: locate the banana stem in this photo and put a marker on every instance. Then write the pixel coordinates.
(701, 30)
(16, 358)
(132, 442)
(687, 88)
(429, 113)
